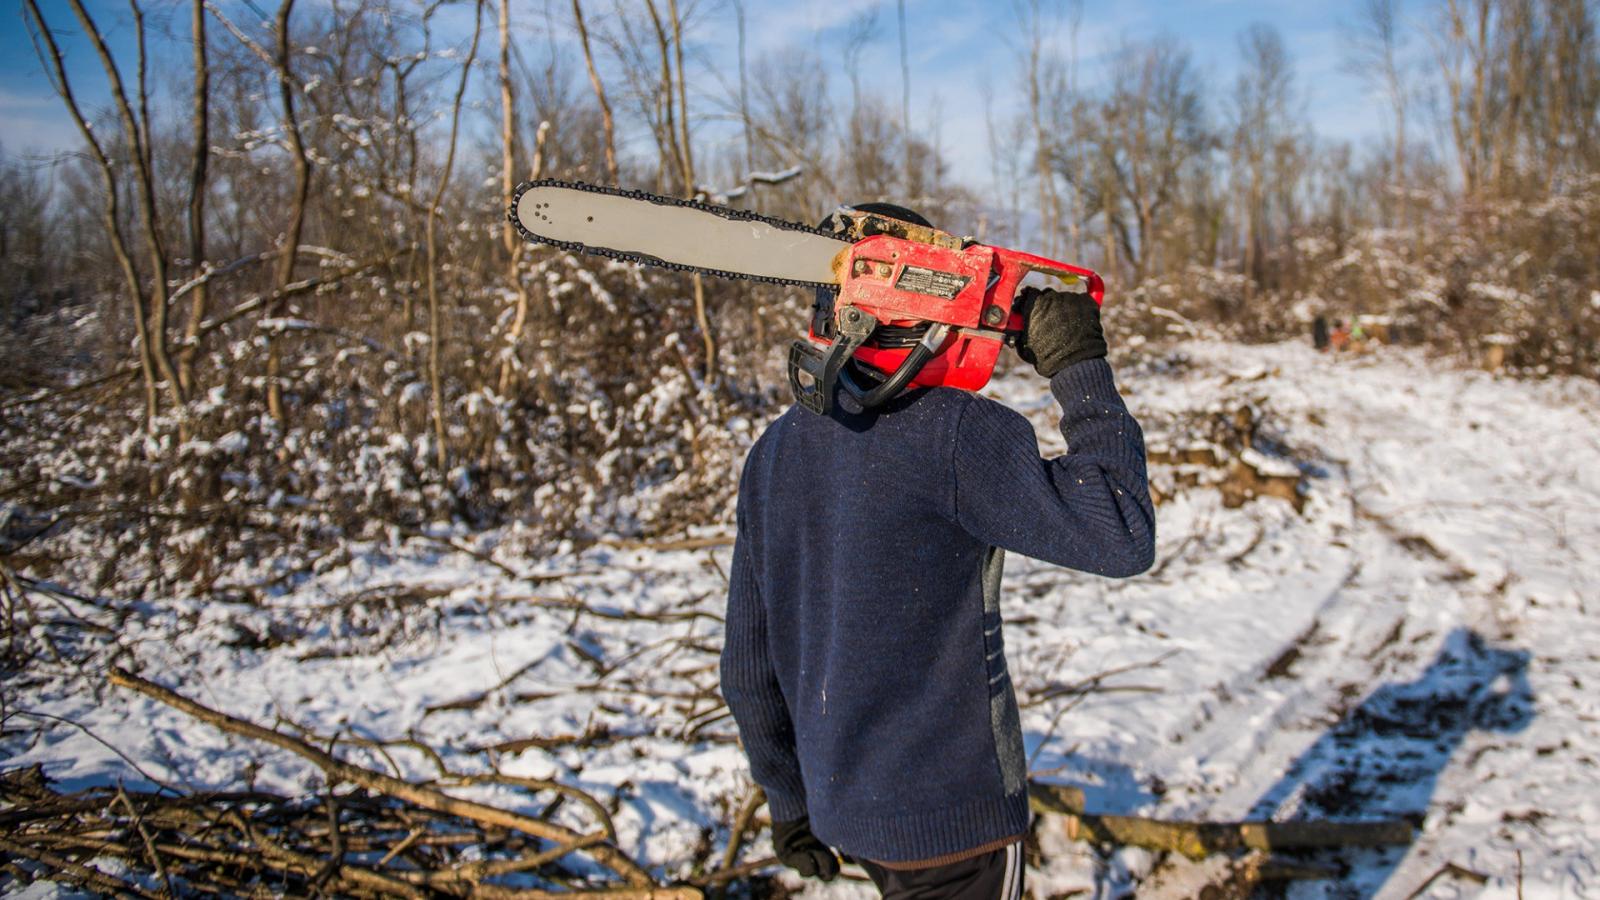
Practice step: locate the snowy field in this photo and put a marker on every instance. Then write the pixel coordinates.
(1415, 642)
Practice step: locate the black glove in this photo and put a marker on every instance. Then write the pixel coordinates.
(1058, 329)
(799, 849)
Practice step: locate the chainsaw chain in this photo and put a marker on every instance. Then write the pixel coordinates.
(645, 259)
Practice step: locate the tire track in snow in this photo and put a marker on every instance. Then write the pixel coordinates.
(1453, 528)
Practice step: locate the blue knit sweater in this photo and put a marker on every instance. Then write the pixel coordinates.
(863, 660)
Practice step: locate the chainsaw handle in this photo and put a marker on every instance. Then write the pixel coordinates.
(1013, 265)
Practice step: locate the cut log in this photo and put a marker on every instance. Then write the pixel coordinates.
(1197, 840)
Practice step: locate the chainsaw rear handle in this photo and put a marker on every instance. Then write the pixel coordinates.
(851, 329)
(966, 295)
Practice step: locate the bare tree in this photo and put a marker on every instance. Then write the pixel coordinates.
(905, 70)
(744, 92)
(1461, 50)
(1262, 135)
(136, 126)
(301, 162)
(599, 92)
(1375, 43)
(514, 245)
(1156, 129)
(149, 307)
(685, 146)
(708, 340)
(197, 194)
(50, 53)
(858, 36)
(435, 332)
(1031, 19)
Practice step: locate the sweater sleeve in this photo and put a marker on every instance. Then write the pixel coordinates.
(750, 686)
(1089, 509)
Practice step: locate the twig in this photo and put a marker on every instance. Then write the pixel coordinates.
(100, 740)
(608, 828)
(576, 605)
(310, 865)
(402, 847)
(75, 872)
(1093, 681)
(741, 824)
(1448, 869)
(743, 870)
(144, 835)
(699, 543)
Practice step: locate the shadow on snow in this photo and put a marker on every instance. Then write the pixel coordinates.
(1381, 760)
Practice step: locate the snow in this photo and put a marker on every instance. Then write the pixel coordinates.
(775, 177)
(1416, 643)
(1269, 466)
(233, 442)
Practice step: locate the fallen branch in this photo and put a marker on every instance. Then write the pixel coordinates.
(699, 543)
(1197, 840)
(734, 873)
(741, 824)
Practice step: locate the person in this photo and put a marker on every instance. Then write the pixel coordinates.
(863, 661)
(1340, 339)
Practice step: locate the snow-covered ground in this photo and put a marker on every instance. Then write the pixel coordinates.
(1416, 642)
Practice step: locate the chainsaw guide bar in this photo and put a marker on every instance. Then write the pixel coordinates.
(789, 253)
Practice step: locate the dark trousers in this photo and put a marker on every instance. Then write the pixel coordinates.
(996, 875)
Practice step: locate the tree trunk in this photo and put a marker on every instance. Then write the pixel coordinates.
(514, 245)
(905, 74)
(1049, 205)
(519, 323)
(144, 191)
(1197, 840)
(1480, 78)
(197, 198)
(667, 139)
(686, 165)
(744, 95)
(150, 217)
(435, 332)
(599, 94)
(508, 130)
(284, 273)
(685, 148)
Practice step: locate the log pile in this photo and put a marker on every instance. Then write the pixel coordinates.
(1223, 449)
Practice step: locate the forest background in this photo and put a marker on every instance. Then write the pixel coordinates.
(269, 300)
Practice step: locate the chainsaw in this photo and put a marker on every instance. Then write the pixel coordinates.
(913, 306)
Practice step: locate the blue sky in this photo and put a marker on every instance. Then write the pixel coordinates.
(959, 45)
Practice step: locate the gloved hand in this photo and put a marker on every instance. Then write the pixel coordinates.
(799, 849)
(1058, 329)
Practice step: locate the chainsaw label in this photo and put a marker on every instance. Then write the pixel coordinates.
(933, 283)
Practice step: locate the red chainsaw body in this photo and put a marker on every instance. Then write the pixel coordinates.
(902, 282)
